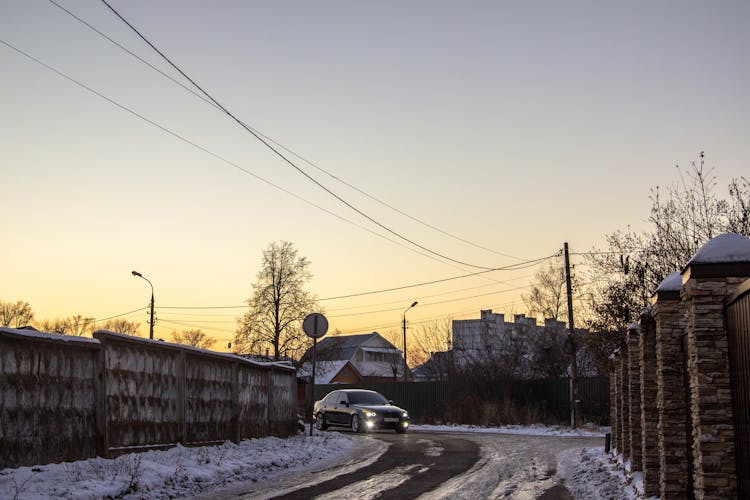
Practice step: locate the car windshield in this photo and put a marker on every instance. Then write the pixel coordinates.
(367, 398)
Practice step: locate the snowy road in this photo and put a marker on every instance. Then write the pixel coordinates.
(435, 465)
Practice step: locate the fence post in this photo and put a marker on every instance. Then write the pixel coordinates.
(100, 400)
(181, 390)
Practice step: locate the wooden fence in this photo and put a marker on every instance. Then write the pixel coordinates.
(67, 398)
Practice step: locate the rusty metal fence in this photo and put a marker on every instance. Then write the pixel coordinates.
(738, 332)
(68, 398)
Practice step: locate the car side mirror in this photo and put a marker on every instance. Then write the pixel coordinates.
(390, 402)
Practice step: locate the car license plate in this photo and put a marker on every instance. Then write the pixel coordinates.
(390, 419)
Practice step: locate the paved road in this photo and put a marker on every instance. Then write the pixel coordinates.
(432, 466)
(414, 464)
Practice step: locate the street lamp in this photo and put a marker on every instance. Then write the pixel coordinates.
(151, 323)
(406, 369)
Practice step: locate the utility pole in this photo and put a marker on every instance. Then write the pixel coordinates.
(406, 368)
(572, 344)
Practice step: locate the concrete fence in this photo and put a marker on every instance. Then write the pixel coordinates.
(675, 410)
(68, 398)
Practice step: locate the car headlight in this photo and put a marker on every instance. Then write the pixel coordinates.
(405, 415)
(370, 414)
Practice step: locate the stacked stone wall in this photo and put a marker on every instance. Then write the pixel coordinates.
(710, 387)
(671, 403)
(634, 401)
(675, 380)
(649, 409)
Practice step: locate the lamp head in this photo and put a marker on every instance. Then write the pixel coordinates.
(414, 304)
(136, 273)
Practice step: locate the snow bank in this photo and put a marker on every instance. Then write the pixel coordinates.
(527, 430)
(179, 471)
(591, 473)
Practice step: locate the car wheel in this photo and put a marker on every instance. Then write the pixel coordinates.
(320, 422)
(355, 424)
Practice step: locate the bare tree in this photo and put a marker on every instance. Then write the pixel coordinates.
(431, 348)
(434, 336)
(547, 298)
(122, 326)
(683, 217)
(79, 326)
(278, 304)
(76, 326)
(195, 338)
(15, 315)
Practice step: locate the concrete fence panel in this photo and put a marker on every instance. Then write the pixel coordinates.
(66, 398)
(48, 407)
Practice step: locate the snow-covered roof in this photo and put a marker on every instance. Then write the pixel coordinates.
(324, 370)
(343, 347)
(725, 248)
(672, 283)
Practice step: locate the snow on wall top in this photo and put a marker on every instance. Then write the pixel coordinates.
(647, 310)
(725, 248)
(672, 283)
(198, 350)
(44, 335)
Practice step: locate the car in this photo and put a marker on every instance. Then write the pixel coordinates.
(360, 410)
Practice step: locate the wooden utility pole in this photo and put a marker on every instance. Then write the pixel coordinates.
(572, 344)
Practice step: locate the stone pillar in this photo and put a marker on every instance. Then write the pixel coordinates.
(634, 398)
(649, 411)
(613, 393)
(668, 313)
(712, 274)
(624, 400)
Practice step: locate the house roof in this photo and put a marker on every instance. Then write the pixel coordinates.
(341, 347)
(324, 371)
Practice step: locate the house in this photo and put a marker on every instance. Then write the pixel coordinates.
(353, 359)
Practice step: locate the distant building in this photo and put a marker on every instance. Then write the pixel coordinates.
(353, 359)
(519, 349)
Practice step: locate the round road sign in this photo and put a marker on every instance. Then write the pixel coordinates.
(315, 325)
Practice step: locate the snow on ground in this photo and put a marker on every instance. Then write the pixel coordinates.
(184, 472)
(528, 430)
(173, 473)
(591, 473)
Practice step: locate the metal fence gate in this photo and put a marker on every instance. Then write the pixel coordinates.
(738, 332)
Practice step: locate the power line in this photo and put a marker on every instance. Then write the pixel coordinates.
(276, 143)
(433, 303)
(421, 297)
(120, 315)
(513, 267)
(283, 157)
(207, 151)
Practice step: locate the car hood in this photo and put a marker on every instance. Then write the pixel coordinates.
(380, 408)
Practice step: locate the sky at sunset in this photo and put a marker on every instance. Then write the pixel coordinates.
(496, 130)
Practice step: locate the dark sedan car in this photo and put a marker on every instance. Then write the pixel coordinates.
(360, 410)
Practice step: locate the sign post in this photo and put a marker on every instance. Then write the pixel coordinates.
(315, 325)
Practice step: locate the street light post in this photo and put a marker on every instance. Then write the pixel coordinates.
(406, 368)
(151, 323)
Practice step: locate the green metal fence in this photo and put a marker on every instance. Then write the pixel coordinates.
(492, 402)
